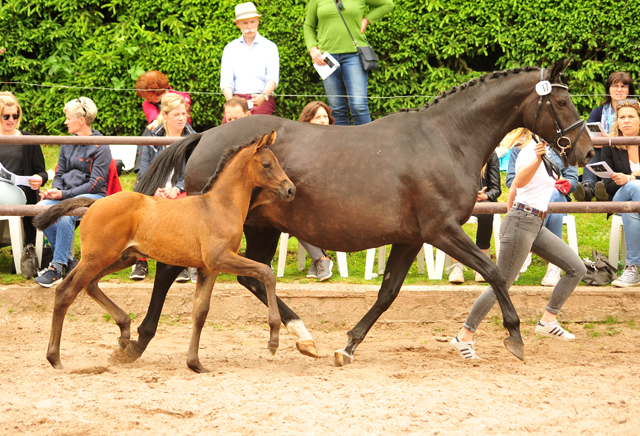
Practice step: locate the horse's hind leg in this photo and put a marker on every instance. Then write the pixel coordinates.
(123, 321)
(201, 304)
(400, 260)
(261, 246)
(165, 275)
(459, 246)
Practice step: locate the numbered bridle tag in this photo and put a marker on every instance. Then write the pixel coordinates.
(543, 88)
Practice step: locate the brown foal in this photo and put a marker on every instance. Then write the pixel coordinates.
(202, 231)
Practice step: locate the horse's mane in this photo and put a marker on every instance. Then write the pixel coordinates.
(472, 82)
(224, 160)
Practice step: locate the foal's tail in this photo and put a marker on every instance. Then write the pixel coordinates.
(171, 159)
(45, 219)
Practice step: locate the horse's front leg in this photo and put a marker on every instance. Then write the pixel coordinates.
(261, 246)
(165, 275)
(459, 246)
(201, 304)
(236, 264)
(400, 260)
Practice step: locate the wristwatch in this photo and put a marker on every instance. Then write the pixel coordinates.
(266, 96)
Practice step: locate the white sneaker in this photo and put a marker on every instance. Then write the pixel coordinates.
(552, 277)
(478, 277)
(554, 330)
(456, 274)
(464, 349)
(526, 264)
(629, 277)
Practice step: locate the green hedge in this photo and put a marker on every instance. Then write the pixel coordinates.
(426, 46)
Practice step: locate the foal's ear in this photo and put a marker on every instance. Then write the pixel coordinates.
(558, 69)
(272, 138)
(261, 141)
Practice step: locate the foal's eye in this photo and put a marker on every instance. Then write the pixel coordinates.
(266, 166)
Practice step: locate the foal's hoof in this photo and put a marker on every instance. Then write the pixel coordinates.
(516, 348)
(56, 364)
(133, 353)
(341, 358)
(272, 349)
(308, 348)
(197, 367)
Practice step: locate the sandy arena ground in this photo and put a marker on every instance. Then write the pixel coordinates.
(404, 380)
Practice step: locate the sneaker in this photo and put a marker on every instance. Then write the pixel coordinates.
(71, 264)
(526, 264)
(478, 277)
(601, 192)
(52, 276)
(455, 272)
(552, 277)
(184, 276)
(193, 273)
(323, 269)
(312, 271)
(554, 330)
(578, 194)
(464, 349)
(139, 270)
(629, 277)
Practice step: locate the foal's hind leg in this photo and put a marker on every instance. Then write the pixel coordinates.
(201, 304)
(400, 260)
(261, 246)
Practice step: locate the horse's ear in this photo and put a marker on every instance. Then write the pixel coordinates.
(262, 141)
(558, 69)
(272, 138)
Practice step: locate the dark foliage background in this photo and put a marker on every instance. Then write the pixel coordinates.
(425, 46)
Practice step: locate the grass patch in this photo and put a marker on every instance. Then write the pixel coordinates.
(133, 316)
(594, 334)
(11, 310)
(107, 317)
(589, 326)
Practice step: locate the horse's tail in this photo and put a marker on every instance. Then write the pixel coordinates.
(171, 159)
(45, 219)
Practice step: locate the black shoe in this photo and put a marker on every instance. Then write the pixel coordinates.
(71, 264)
(184, 276)
(584, 192)
(139, 270)
(50, 277)
(601, 192)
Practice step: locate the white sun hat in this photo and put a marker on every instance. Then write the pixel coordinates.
(246, 10)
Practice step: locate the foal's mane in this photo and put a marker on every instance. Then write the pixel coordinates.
(472, 82)
(226, 158)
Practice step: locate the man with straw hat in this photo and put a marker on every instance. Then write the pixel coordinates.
(250, 66)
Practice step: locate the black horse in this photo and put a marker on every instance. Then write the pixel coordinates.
(405, 179)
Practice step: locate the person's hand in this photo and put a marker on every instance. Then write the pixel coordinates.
(159, 193)
(52, 194)
(172, 192)
(35, 182)
(257, 99)
(541, 149)
(316, 56)
(621, 179)
(364, 24)
(481, 195)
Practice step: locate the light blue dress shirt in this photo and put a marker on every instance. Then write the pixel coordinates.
(247, 69)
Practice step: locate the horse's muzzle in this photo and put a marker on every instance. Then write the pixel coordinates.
(286, 190)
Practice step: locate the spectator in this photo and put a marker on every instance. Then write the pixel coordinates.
(490, 190)
(82, 172)
(23, 160)
(236, 107)
(619, 85)
(321, 267)
(325, 31)
(151, 86)
(625, 186)
(172, 122)
(250, 65)
(565, 185)
(522, 231)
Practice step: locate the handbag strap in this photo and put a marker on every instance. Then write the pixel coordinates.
(345, 25)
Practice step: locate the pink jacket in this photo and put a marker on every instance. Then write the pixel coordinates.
(151, 111)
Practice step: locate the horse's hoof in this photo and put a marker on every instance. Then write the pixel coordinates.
(308, 348)
(197, 367)
(132, 351)
(341, 358)
(55, 363)
(516, 348)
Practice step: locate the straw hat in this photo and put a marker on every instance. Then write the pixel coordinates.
(246, 10)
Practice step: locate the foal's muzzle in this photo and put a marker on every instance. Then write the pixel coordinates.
(286, 190)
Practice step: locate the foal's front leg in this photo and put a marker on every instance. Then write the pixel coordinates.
(201, 304)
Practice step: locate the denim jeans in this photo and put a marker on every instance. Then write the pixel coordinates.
(349, 79)
(553, 221)
(60, 234)
(631, 221)
(521, 232)
(588, 176)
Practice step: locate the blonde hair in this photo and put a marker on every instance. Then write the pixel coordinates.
(615, 130)
(7, 99)
(169, 102)
(517, 138)
(82, 107)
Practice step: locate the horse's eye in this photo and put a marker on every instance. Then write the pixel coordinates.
(562, 103)
(266, 166)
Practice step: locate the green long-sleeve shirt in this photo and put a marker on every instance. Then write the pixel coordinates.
(324, 28)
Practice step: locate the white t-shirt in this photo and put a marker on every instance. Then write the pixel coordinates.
(634, 166)
(538, 191)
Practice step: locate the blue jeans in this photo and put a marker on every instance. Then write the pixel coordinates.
(553, 221)
(60, 234)
(587, 175)
(349, 79)
(631, 221)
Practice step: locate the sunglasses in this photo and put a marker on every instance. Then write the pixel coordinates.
(14, 116)
(628, 102)
(82, 106)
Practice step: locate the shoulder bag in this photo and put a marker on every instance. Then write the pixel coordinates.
(368, 57)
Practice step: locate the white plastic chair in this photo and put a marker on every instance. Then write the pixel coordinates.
(422, 258)
(12, 195)
(616, 239)
(302, 254)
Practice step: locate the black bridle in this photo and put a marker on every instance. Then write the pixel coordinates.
(561, 142)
